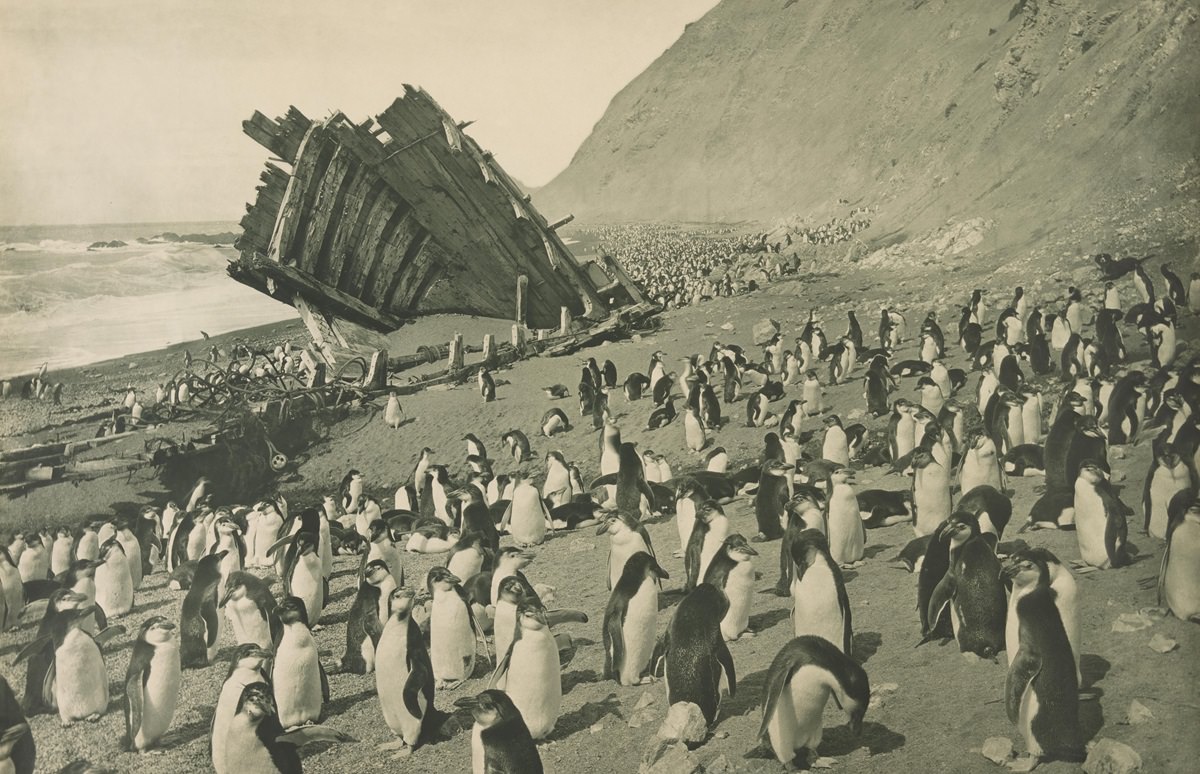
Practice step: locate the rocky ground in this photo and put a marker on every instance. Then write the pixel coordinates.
(932, 708)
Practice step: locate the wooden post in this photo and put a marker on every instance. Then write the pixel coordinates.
(489, 349)
(541, 334)
(518, 335)
(522, 289)
(316, 377)
(564, 321)
(619, 274)
(456, 353)
(377, 375)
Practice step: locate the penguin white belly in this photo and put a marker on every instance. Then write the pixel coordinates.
(80, 682)
(1181, 579)
(247, 623)
(739, 587)
(452, 641)
(1090, 525)
(231, 692)
(835, 448)
(297, 678)
(623, 547)
(534, 683)
(60, 556)
(717, 532)
(1065, 592)
(1163, 486)
(528, 522)
(1031, 422)
(639, 631)
(1025, 715)
(466, 563)
(10, 581)
(160, 695)
(197, 541)
(504, 626)
(114, 588)
(1012, 625)
(308, 586)
(815, 608)
(264, 536)
(477, 749)
(31, 565)
(797, 720)
(905, 441)
(685, 519)
(846, 540)
(931, 498)
(244, 751)
(389, 682)
(89, 547)
(133, 556)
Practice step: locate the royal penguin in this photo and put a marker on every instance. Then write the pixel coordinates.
(298, 680)
(527, 518)
(1169, 475)
(626, 537)
(404, 679)
(1179, 572)
(199, 621)
(257, 742)
(696, 663)
(629, 620)
(249, 664)
(500, 739)
(453, 631)
(1041, 692)
(843, 522)
(250, 608)
(805, 673)
(732, 571)
(970, 592)
(151, 683)
(1101, 526)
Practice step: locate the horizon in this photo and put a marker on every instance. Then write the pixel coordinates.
(162, 94)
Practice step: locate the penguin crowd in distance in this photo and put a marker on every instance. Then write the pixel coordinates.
(1036, 396)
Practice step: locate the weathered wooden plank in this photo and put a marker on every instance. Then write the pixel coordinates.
(348, 228)
(334, 300)
(325, 214)
(380, 221)
(291, 214)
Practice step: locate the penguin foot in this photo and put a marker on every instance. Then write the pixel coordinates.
(395, 744)
(448, 685)
(1024, 763)
(823, 763)
(94, 717)
(676, 554)
(316, 627)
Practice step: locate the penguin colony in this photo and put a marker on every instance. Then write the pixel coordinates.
(1041, 398)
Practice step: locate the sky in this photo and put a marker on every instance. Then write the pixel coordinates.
(119, 111)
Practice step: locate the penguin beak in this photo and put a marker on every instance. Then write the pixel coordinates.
(749, 550)
(467, 702)
(603, 526)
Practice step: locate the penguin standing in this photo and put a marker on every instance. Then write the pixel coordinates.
(1168, 475)
(1062, 583)
(18, 753)
(75, 679)
(970, 591)
(526, 517)
(487, 385)
(12, 598)
(34, 561)
(452, 629)
(257, 743)
(393, 414)
(697, 661)
(930, 493)
(504, 618)
(151, 683)
(688, 497)
(774, 490)
(297, 677)
(529, 672)
(732, 571)
(633, 493)
(368, 614)
(835, 447)
(801, 678)
(1041, 693)
(404, 679)
(843, 522)
(693, 431)
(250, 608)
(247, 667)
(629, 620)
(1101, 527)
(820, 604)
(1179, 573)
(708, 535)
(626, 537)
(500, 740)
(114, 584)
(303, 577)
(199, 623)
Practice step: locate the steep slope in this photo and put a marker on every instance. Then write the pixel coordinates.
(927, 110)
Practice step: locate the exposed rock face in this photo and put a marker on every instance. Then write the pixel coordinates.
(930, 111)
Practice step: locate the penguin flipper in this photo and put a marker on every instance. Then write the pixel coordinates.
(606, 480)
(1023, 670)
(105, 635)
(726, 660)
(298, 737)
(1162, 570)
(939, 602)
(775, 686)
(33, 647)
(420, 675)
(614, 639)
(135, 694)
(501, 671)
(324, 682)
(49, 691)
(658, 656)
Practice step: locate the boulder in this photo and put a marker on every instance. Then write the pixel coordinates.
(1107, 756)
(667, 758)
(997, 749)
(764, 330)
(685, 723)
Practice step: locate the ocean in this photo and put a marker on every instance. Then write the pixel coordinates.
(68, 303)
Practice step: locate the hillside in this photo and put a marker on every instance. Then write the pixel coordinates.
(1027, 113)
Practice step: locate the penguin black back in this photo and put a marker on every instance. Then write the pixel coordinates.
(695, 652)
(198, 625)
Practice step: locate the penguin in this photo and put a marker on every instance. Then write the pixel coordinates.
(404, 680)
(554, 421)
(393, 414)
(1100, 519)
(629, 620)
(901, 429)
(299, 682)
(75, 679)
(1041, 692)
(34, 561)
(633, 493)
(468, 555)
(693, 431)
(12, 600)
(970, 591)
(694, 656)
(303, 577)
(487, 385)
(980, 465)
(351, 491)
(39, 675)
(847, 536)
(635, 384)
(452, 629)
(61, 552)
(1058, 440)
(1168, 475)
(529, 671)
(251, 609)
(835, 447)
(526, 518)
(1179, 572)
(1062, 583)
(368, 614)
(930, 493)
(626, 537)
(500, 739)
(708, 535)
(247, 666)
(507, 599)
(732, 571)
(883, 508)
(774, 490)
(199, 623)
(1143, 283)
(18, 752)
(820, 604)
(151, 684)
(256, 742)
(812, 394)
(802, 677)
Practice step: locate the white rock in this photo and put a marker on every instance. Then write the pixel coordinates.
(1138, 713)
(997, 749)
(1110, 757)
(685, 723)
(1161, 644)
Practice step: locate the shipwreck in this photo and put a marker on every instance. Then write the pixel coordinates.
(375, 223)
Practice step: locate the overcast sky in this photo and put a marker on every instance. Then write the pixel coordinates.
(130, 110)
